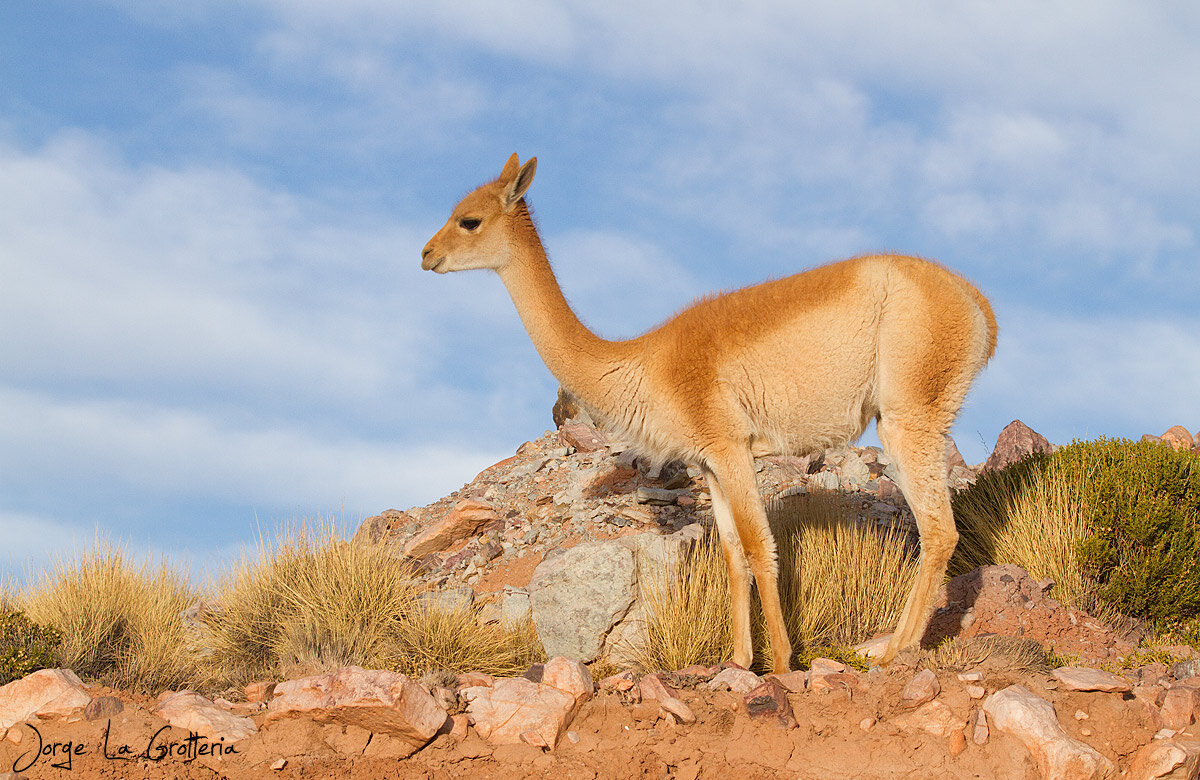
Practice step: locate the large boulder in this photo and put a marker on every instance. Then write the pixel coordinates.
(45, 694)
(1015, 442)
(466, 519)
(378, 701)
(515, 710)
(584, 601)
(190, 711)
(578, 596)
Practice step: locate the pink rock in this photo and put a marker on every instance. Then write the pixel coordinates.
(1004, 600)
(620, 682)
(474, 679)
(922, 688)
(770, 700)
(873, 648)
(46, 694)
(652, 688)
(1031, 719)
(581, 436)
(1178, 437)
(190, 711)
(1180, 706)
(379, 701)
(569, 676)
(933, 717)
(793, 681)
(678, 709)
(826, 666)
(517, 710)
(1015, 442)
(1077, 678)
(834, 681)
(979, 728)
(259, 691)
(736, 680)
(1167, 759)
(953, 456)
(465, 520)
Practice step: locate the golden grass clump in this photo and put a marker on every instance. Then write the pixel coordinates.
(1017, 516)
(313, 603)
(119, 621)
(840, 581)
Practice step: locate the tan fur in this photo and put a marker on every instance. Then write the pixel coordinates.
(788, 366)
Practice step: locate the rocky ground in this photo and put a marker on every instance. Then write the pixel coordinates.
(570, 508)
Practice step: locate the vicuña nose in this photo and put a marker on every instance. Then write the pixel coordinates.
(425, 252)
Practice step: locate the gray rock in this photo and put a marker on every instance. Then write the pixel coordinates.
(578, 596)
(658, 496)
(854, 470)
(448, 599)
(825, 479)
(1186, 669)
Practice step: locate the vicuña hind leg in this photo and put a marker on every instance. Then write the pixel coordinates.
(919, 453)
(739, 573)
(741, 506)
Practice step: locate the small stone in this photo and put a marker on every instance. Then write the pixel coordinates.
(1180, 706)
(933, 717)
(793, 681)
(958, 741)
(657, 496)
(770, 700)
(970, 677)
(1084, 679)
(465, 520)
(103, 707)
(678, 709)
(653, 688)
(1166, 759)
(581, 436)
(873, 648)
(979, 728)
(190, 711)
(736, 680)
(620, 682)
(279, 764)
(866, 724)
(259, 691)
(920, 689)
(976, 691)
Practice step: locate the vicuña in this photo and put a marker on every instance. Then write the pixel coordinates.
(789, 366)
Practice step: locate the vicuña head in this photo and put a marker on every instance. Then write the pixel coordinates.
(789, 366)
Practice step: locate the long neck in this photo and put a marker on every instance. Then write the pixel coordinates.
(578, 358)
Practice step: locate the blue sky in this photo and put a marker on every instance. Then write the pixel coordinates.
(212, 317)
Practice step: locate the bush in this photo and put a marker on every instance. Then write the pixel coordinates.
(119, 622)
(25, 646)
(1116, 525)
(840, 581)
(313, 603)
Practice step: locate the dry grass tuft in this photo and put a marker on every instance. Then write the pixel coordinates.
(313, 603)
(840, 582)
(1042, 528)
(119, 622)
(996, 653)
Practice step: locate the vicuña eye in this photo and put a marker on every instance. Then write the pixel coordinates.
(469, 223)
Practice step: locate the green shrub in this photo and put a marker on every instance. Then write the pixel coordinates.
(1115, 523)
(25, 646)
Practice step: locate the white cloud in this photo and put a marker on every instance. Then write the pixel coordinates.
(1082, 376)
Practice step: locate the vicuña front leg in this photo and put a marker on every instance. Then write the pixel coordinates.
(741, 507)
(920, 456)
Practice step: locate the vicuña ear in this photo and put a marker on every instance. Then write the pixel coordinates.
(510, 168)
(516, 189)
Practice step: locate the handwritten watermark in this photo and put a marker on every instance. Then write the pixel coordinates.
(160, 747)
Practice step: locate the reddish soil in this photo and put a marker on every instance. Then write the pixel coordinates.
(839, 734)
